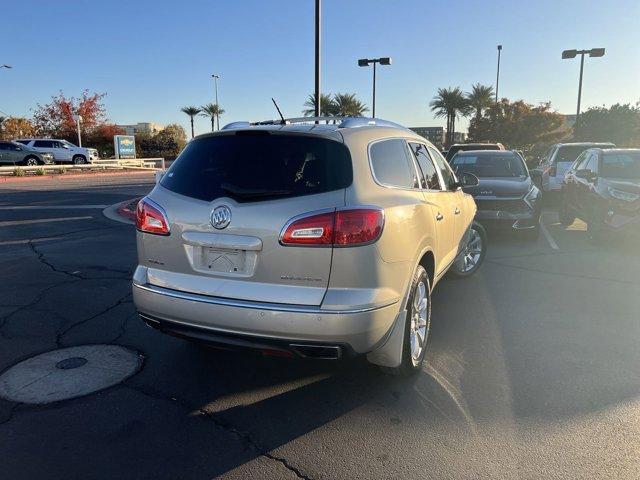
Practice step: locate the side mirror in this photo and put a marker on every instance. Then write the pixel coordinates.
(466, 179)
(586, 174)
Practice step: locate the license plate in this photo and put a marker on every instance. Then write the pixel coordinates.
(225, 261)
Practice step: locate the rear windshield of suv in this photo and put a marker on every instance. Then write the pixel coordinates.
(257, 166)
(490, 165)
(569, 153)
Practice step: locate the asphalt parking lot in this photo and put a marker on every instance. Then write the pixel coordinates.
(533, 370)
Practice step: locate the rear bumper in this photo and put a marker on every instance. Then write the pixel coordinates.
(199, 316)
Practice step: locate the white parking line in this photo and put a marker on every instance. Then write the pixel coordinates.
(547, 235)
(52, 207)
(40, 220)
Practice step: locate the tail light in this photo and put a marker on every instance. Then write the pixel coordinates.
(551, 171)
(150, 218)
(340, 228)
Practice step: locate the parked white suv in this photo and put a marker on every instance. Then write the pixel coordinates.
(63, 151)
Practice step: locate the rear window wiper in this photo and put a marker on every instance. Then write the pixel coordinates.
(252, 192)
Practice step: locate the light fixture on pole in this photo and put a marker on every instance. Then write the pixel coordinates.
(365, 62)
(594, 52)
(78, 119)
(215, 81)
(498, 73)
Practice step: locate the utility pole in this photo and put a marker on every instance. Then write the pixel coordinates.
(317, 61)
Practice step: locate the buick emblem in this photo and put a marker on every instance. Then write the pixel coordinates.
(221, 217)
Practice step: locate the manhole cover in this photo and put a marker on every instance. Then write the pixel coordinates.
(68, 373)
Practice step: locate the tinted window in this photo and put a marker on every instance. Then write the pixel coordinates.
(4, 146)
(621, 165)
(43, 144)
(592, 163)
(391, 164)
(447, 175)
(569, 153)
(24, 142)
(490, 165)
(577, 165)
(428, 170)
(252, 167)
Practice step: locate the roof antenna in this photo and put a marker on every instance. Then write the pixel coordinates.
(283, 122)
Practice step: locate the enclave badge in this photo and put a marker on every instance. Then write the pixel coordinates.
(221, 217)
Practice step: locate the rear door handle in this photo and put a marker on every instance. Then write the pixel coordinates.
(439, 216)
(456, 211)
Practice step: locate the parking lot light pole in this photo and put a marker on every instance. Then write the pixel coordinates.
(78, 119)
(318, 25)
(365, 62)
(498, 73)
(567, 54)
(215, 81)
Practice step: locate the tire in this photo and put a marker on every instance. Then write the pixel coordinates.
(472, 255)
(417, 325)
(79, 160)
(31, 161)
(566, 217)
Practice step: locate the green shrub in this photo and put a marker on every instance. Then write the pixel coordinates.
(40, 171)
(18, 172)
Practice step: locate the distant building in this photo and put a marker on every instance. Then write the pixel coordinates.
(434, 134)
(142, 127)
(459, 137)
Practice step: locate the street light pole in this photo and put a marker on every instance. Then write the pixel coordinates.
(78, 119)
(567, 54)
(498, 74)
(215, 80)
(365, 62)
(580, 85)
(317, 57)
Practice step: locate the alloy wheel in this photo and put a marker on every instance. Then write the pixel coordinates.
(419, 328)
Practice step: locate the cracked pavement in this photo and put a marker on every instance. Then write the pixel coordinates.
(532, 368)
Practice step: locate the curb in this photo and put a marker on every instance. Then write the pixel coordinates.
(6, 179)
(123, 212)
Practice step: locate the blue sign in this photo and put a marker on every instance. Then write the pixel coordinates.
(125, 146)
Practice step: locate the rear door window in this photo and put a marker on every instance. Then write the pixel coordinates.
(43, 144)
(430, 179)
(448, 177)
(255, 165)
(391, 164)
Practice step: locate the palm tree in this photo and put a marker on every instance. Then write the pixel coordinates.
(479, 98)
(327, 107)
(192, 112)
(450, 103)
(212, 110)
(347, 105)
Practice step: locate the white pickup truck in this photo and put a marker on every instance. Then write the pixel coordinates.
(62, 150)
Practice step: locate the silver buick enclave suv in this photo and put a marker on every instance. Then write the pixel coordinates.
(307, 239)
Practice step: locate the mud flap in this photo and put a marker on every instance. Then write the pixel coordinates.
(390, 354)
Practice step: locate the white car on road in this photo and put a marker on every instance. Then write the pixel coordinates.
(62, 150)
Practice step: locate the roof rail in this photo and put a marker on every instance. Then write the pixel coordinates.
(342, 122)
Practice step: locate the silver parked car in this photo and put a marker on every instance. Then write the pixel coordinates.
(14, 153)
(314, 240)
(62, 150)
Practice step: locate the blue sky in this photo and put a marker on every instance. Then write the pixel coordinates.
(153, 57)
